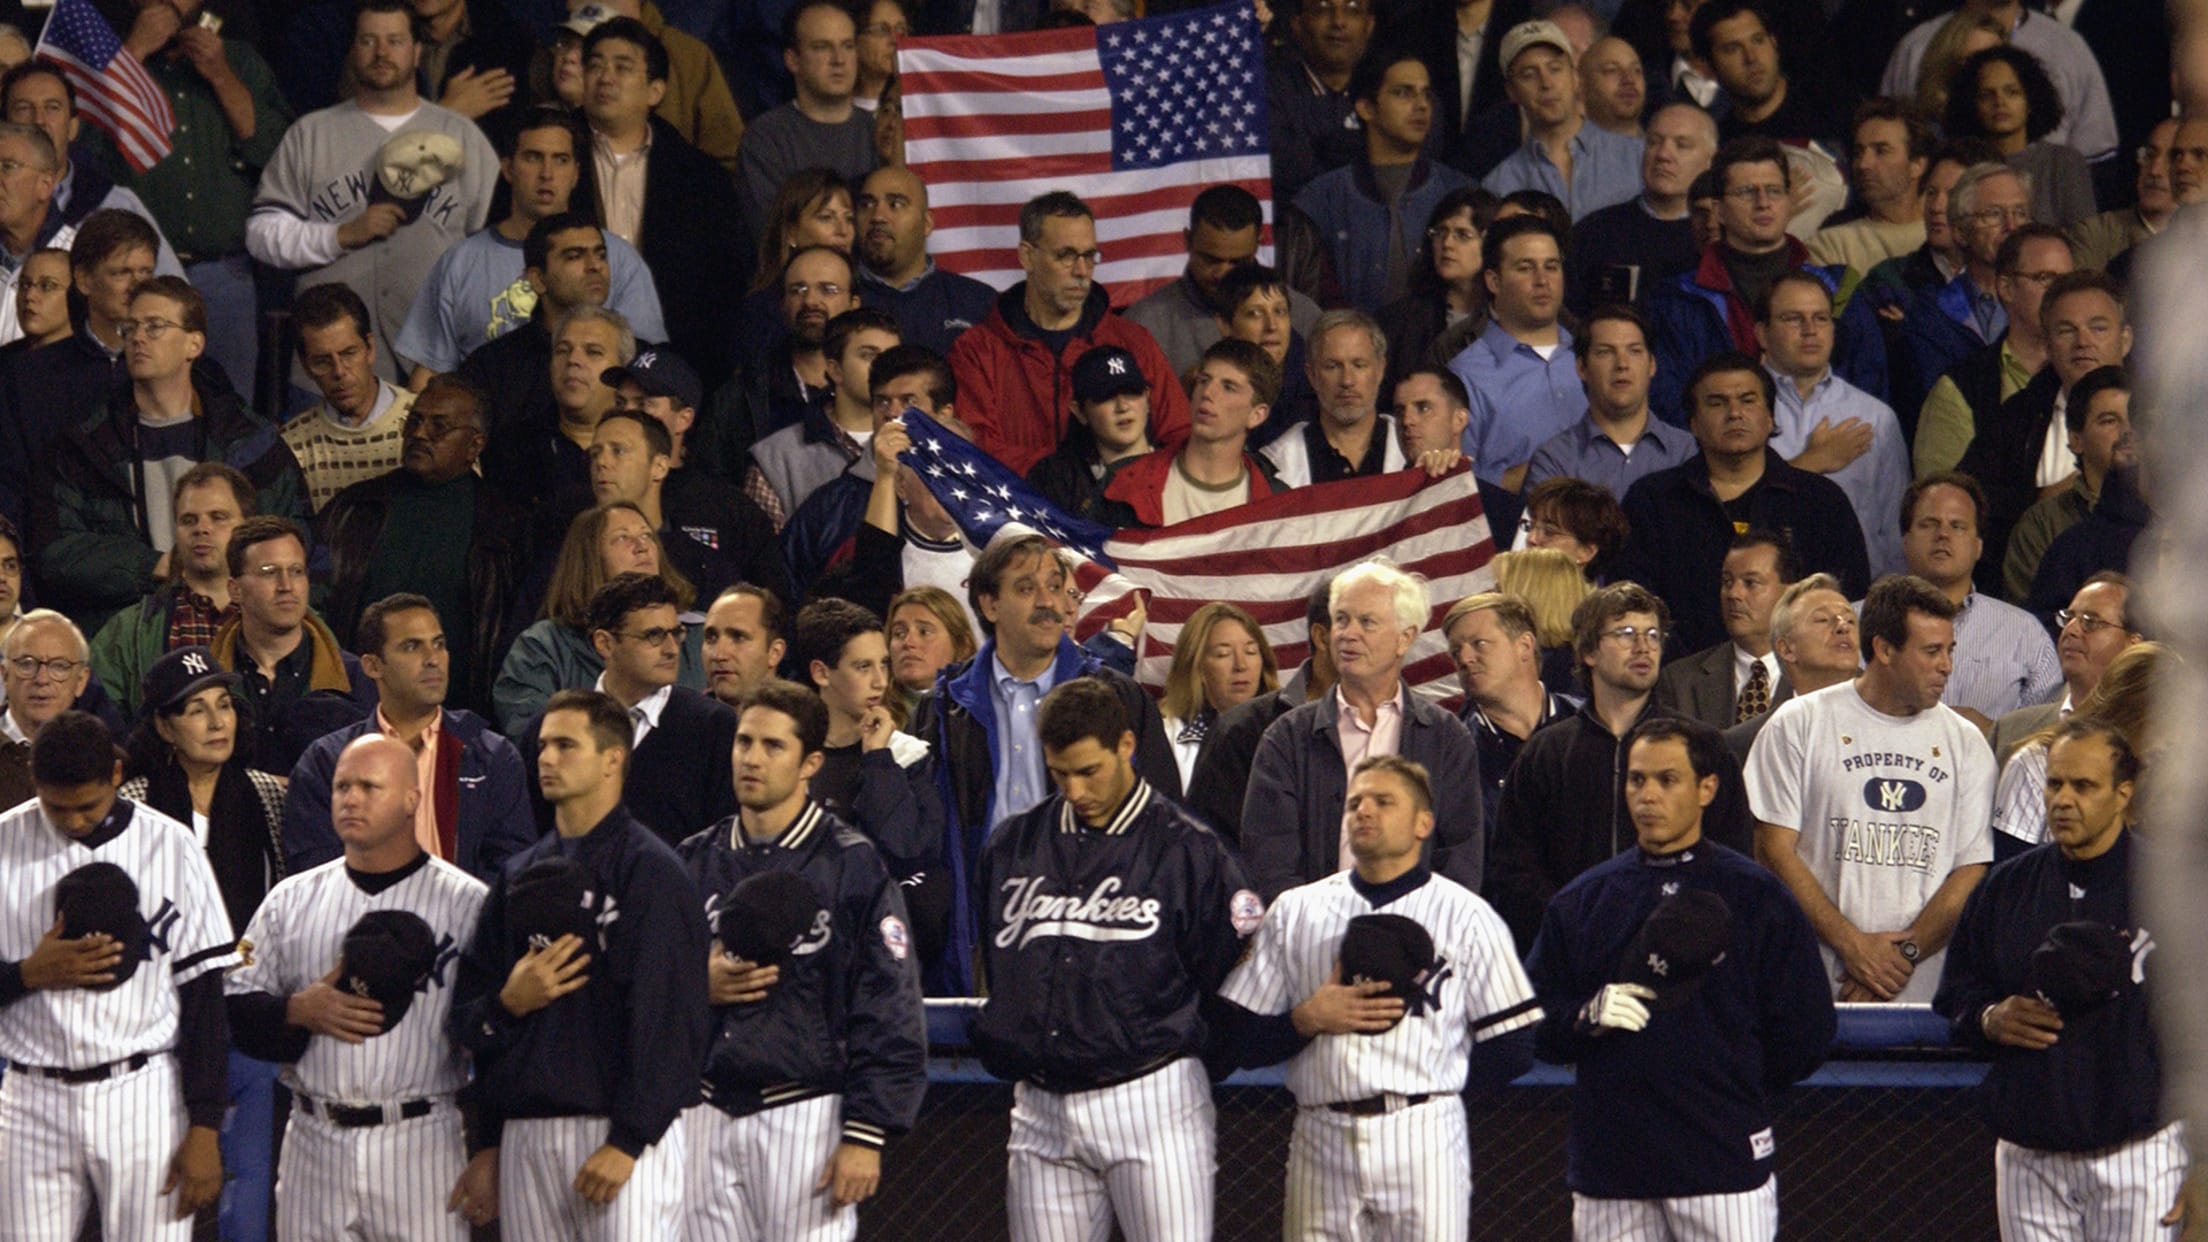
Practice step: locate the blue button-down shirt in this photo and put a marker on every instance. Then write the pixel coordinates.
(1975, 309)
(1875, 481)
(1021, 782)
(1519, 400)
(1606, 169)
(1584, 451)
(2003, 659)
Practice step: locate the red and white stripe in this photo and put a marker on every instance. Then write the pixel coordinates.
(124, 100)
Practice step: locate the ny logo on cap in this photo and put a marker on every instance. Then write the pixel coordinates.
(645, 360)
(1658, 966)
(195, 663)
(1117, 366)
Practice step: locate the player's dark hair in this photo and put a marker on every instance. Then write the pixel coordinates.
(191, 307)
(1887, 605)
(1592, 615)
(1706, 753)
(1505, 231)
(1728, 362)
(899, 361)
(2090, 385)
(2009, 259)
(1795, 276)
(108, 231)
(255, 531)
(1749, 149)
(1715, 11)
(1451, 387)
(824, 628)
(242, 491)
(987, 576)
(1781, 543)
(836, 337)
(1921, 135)
(1256, 365)
(603, 715)
(1956, 479)
(629, 30)
(657, 439)
(1410, 771)
(323, 306)
(71, 751)
(2095, 728)
(770, 607)
(1085, 707)
(2043, 109)
(624, 594)
(1228, 208)
(1609, 312)
(368, 635)
(802, 706)
(536, 248)
(1058, 205)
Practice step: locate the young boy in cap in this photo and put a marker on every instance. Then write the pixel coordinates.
(1110, 428)
(1685, 983)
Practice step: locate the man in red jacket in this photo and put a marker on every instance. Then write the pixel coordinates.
(1015, 369)
(1236, 385)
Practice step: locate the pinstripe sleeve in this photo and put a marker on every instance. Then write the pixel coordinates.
(204, 940)
(1260, 983)
(1498, 997)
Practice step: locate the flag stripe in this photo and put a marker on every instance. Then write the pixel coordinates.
(947, 91)
(113, 90)
(1091, 149)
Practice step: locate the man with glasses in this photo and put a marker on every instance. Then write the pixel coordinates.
(820, 127)
(787, 382)
(678, 777)
(357, 429)
(104, 530)
(296, 682)
(471, 572)
(1941, 326)
(2094, 630)
(47, 665)
(1976, 382)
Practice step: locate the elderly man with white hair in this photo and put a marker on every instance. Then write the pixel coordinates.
(1292, 827)
(46, 664)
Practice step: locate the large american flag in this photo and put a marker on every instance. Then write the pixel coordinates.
(1266, 556)
(1137, 118)
(114, 91)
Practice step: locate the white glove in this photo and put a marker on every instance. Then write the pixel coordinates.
(1617, 1007)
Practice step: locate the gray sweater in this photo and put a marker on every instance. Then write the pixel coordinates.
(784, 141)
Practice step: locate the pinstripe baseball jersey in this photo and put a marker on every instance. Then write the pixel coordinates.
(187, 934)
(1474, 990)
(298, 936)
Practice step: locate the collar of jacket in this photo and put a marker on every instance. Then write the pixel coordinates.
(1711, 273)
(1360, 176)
(326, 665)
(969, 686)
(1328, 721)
(1776, 472)
(1140, 484)
(1587, 713)
(1012, 308)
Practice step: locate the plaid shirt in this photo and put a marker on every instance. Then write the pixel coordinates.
(193, 619)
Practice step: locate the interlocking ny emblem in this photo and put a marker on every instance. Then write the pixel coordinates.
(195, 663)
(1117, 366)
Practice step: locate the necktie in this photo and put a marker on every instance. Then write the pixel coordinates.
(1755, 697)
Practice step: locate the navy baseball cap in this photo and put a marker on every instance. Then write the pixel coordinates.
(387, 954)
(2080, 966)
(100, 899)
(551, 898)
(765, 915)
(1105, 372)
(1390, 949)
(660, 373)
(178, 676)
(1681, 940)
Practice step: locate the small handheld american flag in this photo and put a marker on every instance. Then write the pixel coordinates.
(114, 91)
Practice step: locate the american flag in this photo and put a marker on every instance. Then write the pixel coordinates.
(1266, 556)
(114, 91)
(1137, 117)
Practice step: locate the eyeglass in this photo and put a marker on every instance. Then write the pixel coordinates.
(1069, 258)
(154, 329)
(343, 360)
(1456, 233)
(45, 284)
(1757, 193)
(827, 289)
(2003, 215)
(2088, 624)
(658, 634)
(29, 667)
(1630, 636)
(280, 573)
(637, 539)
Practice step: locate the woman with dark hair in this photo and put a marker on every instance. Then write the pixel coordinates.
(1447, 305)
(813, 208)
(2003, 95)
(1580, 520)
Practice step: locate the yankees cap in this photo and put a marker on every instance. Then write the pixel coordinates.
(2081, 965)
(387, 954)
(178, 676)
(551, 898)
(1105, 372)
(100, 899)
(1681, 940)
(660, 372)
(586, 18)
(1390, 949)
(765, 915)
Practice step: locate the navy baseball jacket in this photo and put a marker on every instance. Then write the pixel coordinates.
(845, 1017)
(1680, 1108)
(629, 1045)
(2101, 1084)
(1103, 947)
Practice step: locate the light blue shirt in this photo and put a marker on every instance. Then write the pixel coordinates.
(1583, 451)
(1875, 481)
(1021, 782)
(1520, 401)
(2003, 658)
(1606, 169)
(476, 293)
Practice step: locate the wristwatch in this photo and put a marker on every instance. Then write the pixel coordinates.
(1910, 951)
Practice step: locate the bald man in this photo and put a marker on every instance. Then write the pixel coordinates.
(373, 1115)
(931, 306)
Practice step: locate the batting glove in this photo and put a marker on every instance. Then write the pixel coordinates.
(1617, 1007)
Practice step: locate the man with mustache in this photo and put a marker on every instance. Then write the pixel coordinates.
(792, 385)
(930, 305)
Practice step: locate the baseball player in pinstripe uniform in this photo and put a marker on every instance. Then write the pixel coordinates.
(817, 1061)
(374, 1148)
(1685, 984)
(95, 1112)
(1111, 915)
(588, 1046)
(1380, 1148)
(2047, 973)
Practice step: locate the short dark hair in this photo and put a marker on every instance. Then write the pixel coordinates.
(2085, 729)
(837, 336)
(536, 248)
(1706, 753)
(33, 68)
(414, 22)
(801, 705)
(546, 116)
(71, 751)
(1715, 11)
(987, 575)
(899, 361)
(1503, 232)
(242, 490)
(2043, 110)
(1541, 204)
(1781, 543)
(1452, 387)
(1057, 204)
(1609, 312)
(2089, 280)
(624, 594)
(1410, 771)
(1793, 276)
(1237, 285)
(1592, 615)
(770, 606)
(1962, 152)
(368, 635)
(1587, 510)
(603, 715)
(1228, 208)
(2090, 385)
(1748, 149)
(657, 439)
(1887, 605)
(1085, 707)
(1252, 361)
(1318, 607)
(1886, 108)
(107, 232)
(2009, 259)
(630, 30)
(479, 400)
(255, 531)
(1372, 69)
(797, 11)
(1914, 495)
(323, 305)
(1726, 362)
(191, 307)
(824, 628)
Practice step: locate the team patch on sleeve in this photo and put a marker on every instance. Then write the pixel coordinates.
(1246, 910)
(895, 938)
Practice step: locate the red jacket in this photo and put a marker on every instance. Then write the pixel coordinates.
(1017, 397)
(1140, 484)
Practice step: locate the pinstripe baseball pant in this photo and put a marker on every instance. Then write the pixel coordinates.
(1143, 1153)
(2115, 1195)
(1404, 1176)
(538, 1158)
(386, 1183)
(752, 1178)
(102, 1146)
(1747, 1216)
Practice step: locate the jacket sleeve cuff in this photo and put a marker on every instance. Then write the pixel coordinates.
(12, 987)
(626, 1141)
(864, 1134)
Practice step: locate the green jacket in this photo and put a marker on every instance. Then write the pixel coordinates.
(129, 644)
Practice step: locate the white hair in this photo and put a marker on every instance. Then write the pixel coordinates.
(13, 646)
(1407, 591)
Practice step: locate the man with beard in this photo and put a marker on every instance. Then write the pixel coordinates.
(818, 283)
(931, 306)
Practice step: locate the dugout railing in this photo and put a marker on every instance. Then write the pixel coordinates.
(1883, 1143)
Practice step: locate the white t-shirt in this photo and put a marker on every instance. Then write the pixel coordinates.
(1887, 805)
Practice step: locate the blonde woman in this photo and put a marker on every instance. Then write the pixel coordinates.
(928, 632)
(1221, 661)
(1552, 584)
(2124, 698)
(1964, 35)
